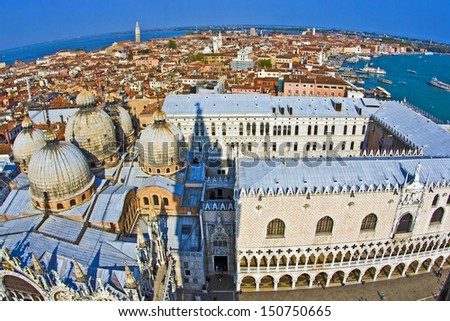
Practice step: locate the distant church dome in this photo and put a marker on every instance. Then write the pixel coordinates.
(159, 147)
(59, 175)
(28, 141)
(122, 121)
(92, 130)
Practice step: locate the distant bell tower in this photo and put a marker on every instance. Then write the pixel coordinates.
(137, 33)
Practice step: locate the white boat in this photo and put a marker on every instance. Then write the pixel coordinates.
(353, 59)
(366, 58)
(439, 84)
(428, 53)
(372, 70)
(382, 92)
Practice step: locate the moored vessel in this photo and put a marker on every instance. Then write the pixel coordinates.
(385, 81)
(439, 84)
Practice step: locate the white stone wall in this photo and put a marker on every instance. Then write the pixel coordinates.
(356, 255)
(282, 132)
(301, 216)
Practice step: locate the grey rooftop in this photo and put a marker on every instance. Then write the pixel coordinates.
(319, 174)
(414, 129)
(53, 243)
(261, 105)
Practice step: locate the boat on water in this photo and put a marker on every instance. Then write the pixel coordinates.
(439, 84)
(353, 59)
(366, 58)
(403, 82)
(360, 82)
(372, 70)
(428, 53)
(381, 92)
(385, 81)
(411, 71)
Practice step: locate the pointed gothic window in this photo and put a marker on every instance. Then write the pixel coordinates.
(405, 224)
(325, 225)
(438, 215)
(369, 222)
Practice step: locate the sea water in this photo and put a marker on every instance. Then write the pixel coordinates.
(35, 51)
(416, 90)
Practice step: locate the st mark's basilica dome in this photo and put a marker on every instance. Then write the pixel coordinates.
(59, 175)
(28, 141)
(161, 147)
(92, 130)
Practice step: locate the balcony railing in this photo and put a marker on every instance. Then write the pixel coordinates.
(394, 259)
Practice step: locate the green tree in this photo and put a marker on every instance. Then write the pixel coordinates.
(197, 57)
(172, 44)
(265, 63)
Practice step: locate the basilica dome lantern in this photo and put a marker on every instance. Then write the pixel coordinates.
(28, 141)
(59, 175)
(161, 147)
(92, 130)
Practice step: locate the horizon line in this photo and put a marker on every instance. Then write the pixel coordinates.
(203, 27)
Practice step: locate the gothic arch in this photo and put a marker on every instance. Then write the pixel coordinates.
(338, 277)
(399, 269)
(273, 262)
(369, 222)
(266, 282)
(338, 258)
(243, 263)
(248, 282)
(370, 274)
(354, 275)
(321, 279)
(292, 260)
(325, 225)
(384, 272)
(438, 262)
(253, 262)
(263, 262)
(19, 284)
(413, 267)
(282, 262)
(285, 281)
(437, 216)
(303, 280)
(404, 224)
(425, 265)
(329, 258)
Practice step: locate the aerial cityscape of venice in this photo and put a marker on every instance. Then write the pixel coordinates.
(224, 151)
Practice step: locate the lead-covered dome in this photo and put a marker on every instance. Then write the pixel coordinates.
(160, 147)
(122, 122)
(59, 175)
(92, 130)
(28, 141)
(85, 98)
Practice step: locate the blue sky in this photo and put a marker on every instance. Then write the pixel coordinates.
(30, 21)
